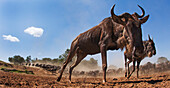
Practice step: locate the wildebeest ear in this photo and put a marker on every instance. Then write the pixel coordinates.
(149, 37)
(118, 20)
(143, 20)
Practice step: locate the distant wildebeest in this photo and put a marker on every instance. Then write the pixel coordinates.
(112, 33)
(149, 50)
(92, 73)
(29, 64)
(36, 64)
(82, 72)
(111, 71)
(51, 68)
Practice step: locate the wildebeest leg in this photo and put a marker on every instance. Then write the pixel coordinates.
(80, 56)
(133, 69)
(128, 66)
(107, 42)
(134, 61)
(125, 65)
(69, 58)
(104, 60)
(138, 63)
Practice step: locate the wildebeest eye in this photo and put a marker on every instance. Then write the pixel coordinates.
(150, 48)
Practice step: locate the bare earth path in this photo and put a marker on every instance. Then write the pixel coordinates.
(18, 80)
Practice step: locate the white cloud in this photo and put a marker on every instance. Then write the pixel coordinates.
(10, 38)
(36, 32)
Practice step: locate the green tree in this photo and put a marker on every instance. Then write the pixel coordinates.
(162, 60)
(55, 60)
(10, 59)
(64, 56)
(46, 59)
(28, 59)
(16, 59)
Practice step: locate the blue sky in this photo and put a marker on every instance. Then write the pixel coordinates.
(63, 20)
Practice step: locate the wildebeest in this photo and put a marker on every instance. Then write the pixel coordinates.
(149, 50)
(37, 65)
(92, 73)
(51, 68)
(111, 34)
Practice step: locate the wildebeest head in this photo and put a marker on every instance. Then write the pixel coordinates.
(150, 47)
(132, 25)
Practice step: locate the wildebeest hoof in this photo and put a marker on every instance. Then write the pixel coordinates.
(70, 81)
(104, 82)
(114, 78)
(127, 78)
(125, 75)
(58, 79)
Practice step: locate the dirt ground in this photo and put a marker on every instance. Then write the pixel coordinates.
(45, 79)
(20, 80)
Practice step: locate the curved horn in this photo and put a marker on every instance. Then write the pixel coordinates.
(116, 18)
(143, 12)
(149, 37)
(112, 11)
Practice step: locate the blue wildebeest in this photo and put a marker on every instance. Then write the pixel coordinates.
(112, 33)
(149, 51)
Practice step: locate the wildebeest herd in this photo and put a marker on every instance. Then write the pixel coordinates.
(144, 69)
(48, 67)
